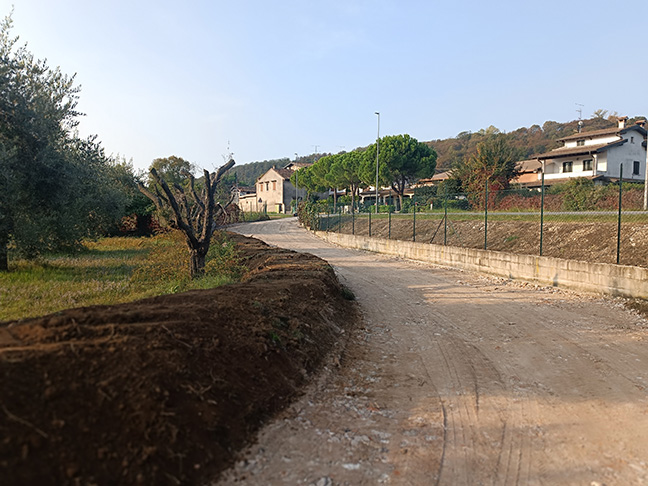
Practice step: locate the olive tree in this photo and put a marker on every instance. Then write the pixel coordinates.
(190, 212)
(55, 188)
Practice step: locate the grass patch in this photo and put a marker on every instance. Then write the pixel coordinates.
(111, 271)
(251, 217)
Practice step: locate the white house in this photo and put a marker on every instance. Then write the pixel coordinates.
(598, 155)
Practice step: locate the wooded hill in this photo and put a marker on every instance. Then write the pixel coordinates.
(247, 174)
(529, 141)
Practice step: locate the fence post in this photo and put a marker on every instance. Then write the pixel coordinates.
(445, 217)
(542, 192)
(369, 222)
(328, 212)
(339, 220)
(389, 223)
(486, 218)
(352, 222)
(619, 218)
(414, 223)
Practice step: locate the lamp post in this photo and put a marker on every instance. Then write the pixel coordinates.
(377, 154)
(296, 185)
(645, 201)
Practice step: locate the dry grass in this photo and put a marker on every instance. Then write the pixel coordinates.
(110, 271)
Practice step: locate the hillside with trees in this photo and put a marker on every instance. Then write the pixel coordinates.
(525, 141)
(247, 174)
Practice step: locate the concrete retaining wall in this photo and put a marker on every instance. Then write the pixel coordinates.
(619, 280)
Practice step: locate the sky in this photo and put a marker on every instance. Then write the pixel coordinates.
(271, 79)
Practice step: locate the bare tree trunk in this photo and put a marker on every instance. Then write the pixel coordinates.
(195, 220)
(4, 257)
(197, 263)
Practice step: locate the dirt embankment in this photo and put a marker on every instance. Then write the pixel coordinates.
(164, 390)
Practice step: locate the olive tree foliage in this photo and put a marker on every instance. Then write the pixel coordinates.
(172, 169)
(55, 188)
(187, 210)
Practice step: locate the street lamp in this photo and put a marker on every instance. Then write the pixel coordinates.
(296, 184)
(377, 153)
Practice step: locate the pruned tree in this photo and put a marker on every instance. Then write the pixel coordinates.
(191, 213)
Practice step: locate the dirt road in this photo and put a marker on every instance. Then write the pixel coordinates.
(456, 379)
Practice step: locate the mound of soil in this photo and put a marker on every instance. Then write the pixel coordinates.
(164, 390)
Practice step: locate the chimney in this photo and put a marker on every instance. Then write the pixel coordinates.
(622, 122)
(641, 123)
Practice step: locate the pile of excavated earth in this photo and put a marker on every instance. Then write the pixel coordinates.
(164, 390)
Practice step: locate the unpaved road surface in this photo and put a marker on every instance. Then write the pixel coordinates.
(457, 379)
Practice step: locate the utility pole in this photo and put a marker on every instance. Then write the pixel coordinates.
(377, 154)
(645, 204)
(296, 185)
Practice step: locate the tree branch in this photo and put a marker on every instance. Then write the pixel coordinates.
(186, 228)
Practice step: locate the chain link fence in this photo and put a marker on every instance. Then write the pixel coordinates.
(577, 220)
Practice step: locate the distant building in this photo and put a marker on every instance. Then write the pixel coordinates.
(598, 155)
(435, 180)
(528, 173)
(273, 191)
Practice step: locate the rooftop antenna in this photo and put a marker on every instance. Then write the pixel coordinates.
(580, 116)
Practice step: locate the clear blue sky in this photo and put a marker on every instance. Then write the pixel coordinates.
(275, 78)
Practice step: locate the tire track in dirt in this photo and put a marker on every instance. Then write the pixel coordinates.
(459, 379)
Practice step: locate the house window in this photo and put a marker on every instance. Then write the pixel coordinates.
(631, 139)
(274, 185)
(580, 143)
(267, 186)
(568, 166)
(261, 187)
(587, 164)
(635, 168)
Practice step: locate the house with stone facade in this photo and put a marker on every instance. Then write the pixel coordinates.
(273, 191)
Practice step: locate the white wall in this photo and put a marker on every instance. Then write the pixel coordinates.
(594, 141)
(626, 154)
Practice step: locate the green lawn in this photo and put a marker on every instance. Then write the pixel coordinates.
(108, 271)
